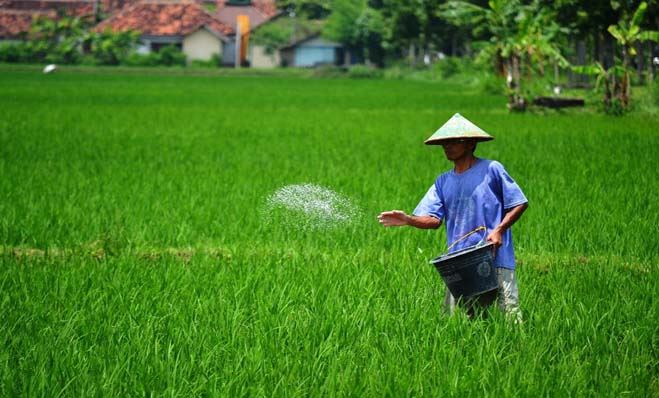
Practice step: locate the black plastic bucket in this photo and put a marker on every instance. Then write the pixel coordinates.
(468, 272)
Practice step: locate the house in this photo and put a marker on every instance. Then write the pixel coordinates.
(305, 47)
(311, 51)
(201, 29)
(258, 12)
(184, 24)
(15, 24)
(73, 8)
(16, 16)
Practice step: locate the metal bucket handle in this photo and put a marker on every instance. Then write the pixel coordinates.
(481, 228)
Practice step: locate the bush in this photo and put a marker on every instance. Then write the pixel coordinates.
(88, 60)
(10, 53)
(110, 48)
(25, 52)
(394, 73)
(448, 67)
(329, 71)
(491, 84)
(212, 62)
(364, 72)
(137, 59)
(171, 56)
(167, 56)
(615, 108)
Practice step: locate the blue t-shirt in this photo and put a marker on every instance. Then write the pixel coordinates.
(477, 197)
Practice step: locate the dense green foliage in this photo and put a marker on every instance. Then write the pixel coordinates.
(135, 260)
(70, 40)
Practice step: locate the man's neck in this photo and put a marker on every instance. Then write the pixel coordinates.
(463, 164)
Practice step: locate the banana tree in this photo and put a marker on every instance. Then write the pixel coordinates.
(628, 33)
(57, 39)
(522, 38)
(611, 81)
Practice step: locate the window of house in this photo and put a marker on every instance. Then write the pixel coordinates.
(156, 47)
(238, 2)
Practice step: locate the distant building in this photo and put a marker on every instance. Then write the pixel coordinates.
(305, 47)
(15, 24)
(258, 12)
(186, 25)
(16, 16)
(312, 51)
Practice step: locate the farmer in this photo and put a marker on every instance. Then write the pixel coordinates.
(476, 199)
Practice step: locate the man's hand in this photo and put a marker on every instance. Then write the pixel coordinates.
(512, 215)
(495, 237)
(394, 218)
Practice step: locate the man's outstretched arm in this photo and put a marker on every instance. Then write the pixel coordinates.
(398, 218)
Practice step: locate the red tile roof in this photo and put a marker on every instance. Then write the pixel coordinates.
(16, 16)
(265, 7)
(228, 15)
(67, 7)
(74, 8)
(164, 18)
(14, 23)
(111, 6)
(259, 12)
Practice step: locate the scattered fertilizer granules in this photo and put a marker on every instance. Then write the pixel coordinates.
(309, 206)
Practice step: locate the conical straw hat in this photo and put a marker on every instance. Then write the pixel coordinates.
(458, 127)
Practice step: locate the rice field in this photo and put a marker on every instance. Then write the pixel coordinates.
(138, 258)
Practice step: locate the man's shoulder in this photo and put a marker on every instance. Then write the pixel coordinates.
(443, 176)
(493, 165)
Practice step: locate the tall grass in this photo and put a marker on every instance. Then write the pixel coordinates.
(135, 259)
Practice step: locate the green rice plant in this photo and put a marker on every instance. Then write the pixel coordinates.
(135, 258)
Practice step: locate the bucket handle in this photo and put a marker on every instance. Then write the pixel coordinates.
(481, 228)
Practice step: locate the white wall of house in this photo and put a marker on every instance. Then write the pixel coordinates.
(259, 59)
(143, 47)
(201, 45)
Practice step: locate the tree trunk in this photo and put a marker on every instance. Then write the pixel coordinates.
(650, 63)
(599, 48)
(411, 54)
(467, 48)
(625, 83)
(639, 63)
(581, 60)
(516, 101)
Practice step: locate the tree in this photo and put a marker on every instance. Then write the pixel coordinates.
(357, 26)
(405, 21)
(521, 39)
(112, 48)
(311, 9)
(57, 39)
(628, 34)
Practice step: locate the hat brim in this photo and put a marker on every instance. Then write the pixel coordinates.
(439, 141)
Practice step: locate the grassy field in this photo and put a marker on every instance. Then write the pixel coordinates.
(136, 260)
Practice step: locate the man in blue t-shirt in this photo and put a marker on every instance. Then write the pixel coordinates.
(476, 193)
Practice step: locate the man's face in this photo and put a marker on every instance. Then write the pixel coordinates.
(458, 148)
